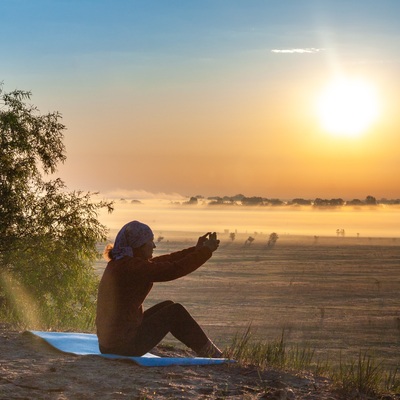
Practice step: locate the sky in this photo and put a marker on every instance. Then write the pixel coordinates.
(217, 97)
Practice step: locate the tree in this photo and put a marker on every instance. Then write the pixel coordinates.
(48, 236)
(354, 202)
(273, 237)
(252, 201)
(192, 201)
(301, 202)
(249, 241)
(371, 200)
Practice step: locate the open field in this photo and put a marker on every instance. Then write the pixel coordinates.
(334, 294)
(337, 295)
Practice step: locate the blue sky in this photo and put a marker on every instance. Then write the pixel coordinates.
(224, 83)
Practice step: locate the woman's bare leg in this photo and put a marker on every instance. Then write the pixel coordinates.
(174, 318)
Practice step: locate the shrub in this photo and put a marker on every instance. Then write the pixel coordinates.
(48, 235)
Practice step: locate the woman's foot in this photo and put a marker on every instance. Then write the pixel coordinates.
(210, 350)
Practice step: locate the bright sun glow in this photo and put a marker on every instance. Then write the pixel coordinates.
(348, 107)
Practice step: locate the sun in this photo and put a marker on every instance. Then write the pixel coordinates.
(347, 107)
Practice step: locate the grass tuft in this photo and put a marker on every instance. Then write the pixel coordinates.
(363, 376)
(265, 353)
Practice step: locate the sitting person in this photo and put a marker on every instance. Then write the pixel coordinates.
(122, 326)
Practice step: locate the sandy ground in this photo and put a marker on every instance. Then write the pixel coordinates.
(30, 369)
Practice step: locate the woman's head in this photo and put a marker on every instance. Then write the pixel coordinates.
(130, 239)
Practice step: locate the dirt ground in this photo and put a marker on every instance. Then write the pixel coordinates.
(30, 369)
(337, 296)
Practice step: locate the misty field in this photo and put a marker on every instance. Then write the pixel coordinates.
(336, 295)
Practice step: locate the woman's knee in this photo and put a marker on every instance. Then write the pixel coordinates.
(178, 308)
(166, 303)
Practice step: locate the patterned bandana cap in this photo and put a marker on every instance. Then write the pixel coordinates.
(132, 235)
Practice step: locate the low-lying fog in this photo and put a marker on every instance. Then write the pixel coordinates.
(166, 215)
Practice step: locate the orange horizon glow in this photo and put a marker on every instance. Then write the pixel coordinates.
(216, 106)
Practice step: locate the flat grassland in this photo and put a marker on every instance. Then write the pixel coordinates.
(336, 295)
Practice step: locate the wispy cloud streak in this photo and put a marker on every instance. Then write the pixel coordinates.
(307, 50)
(141, 195)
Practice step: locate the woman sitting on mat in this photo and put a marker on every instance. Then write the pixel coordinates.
(122, 325)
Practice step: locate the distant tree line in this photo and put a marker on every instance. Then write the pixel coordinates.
(242, 200)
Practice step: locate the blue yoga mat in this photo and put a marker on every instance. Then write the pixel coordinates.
(87, 344)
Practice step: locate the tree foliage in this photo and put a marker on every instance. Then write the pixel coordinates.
(273, 238)
(48, 235)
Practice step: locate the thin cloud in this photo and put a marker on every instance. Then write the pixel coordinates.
(140, 195)
(307, 50)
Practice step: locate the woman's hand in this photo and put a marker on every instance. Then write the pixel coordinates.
(212, 242)
(202, 240)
